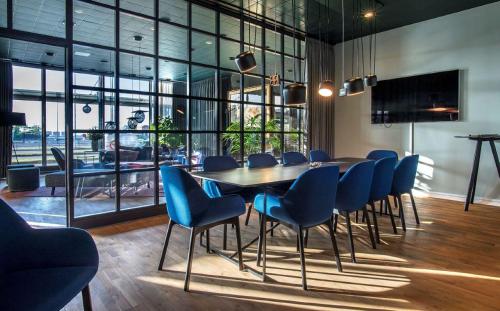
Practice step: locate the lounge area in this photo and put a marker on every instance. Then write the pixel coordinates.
(242, 155)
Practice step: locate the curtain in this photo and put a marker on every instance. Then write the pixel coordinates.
(6, 96)
(204, 115)
(321, 112)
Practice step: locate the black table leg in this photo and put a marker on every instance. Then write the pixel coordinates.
(473, 177)
(495, 156)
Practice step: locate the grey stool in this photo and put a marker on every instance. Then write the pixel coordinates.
(23, 178)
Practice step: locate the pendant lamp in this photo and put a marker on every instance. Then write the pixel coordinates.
(371, 79)
(343, 90)
(246, 60)
(326, 86)
(355, 85)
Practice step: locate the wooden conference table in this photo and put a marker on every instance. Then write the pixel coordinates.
(263, 177)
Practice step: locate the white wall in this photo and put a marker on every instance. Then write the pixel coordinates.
(468, 40)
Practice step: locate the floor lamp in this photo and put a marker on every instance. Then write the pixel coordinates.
(8, 119)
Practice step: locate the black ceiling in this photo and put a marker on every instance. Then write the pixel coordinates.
(391, 14)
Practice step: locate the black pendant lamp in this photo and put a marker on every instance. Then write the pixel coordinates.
(371, 79)
(294, 94)
(343, 90)
(355, 85)
(86, 108)
(139, 115)
(326, 87)
(246, 60)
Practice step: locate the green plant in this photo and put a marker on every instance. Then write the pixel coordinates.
(94, 136)
(171, 140)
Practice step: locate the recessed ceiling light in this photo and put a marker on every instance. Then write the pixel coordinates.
(369, 14)
(84, 54)
(152, 28)
(231, 58)
(148, 68)
(208, 42)
(79, 11)
(49, 53)
(104, 60)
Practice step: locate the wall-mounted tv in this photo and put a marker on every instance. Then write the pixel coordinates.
(425, 98)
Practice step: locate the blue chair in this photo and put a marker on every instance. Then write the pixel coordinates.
(381, 188)
(308, 203)
(293, 158)
(402, 183)
(43, 269)
(353, 193)
(259, 160)
(319, 156)
(380, 154)
(190, 207)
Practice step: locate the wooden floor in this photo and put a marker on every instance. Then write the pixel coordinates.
(450, 262)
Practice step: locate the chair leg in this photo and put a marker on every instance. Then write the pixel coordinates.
(381, 208)
(396, 205)
(249, 211)
(388, 206)
(52, 191)
(87, 301)
(238, 243)
(306, 238)
(414, 208)
(201, 238)
(302, 258)
(208, 240)
(165, 244)
(259, 246)
(264, 246)
(272, 230)
(224, 238)
(349, 232)
(369, 226)
(375, 223)
(190, 259)
(357, 217)
(335, 247)
(335, 221)
(401, 212)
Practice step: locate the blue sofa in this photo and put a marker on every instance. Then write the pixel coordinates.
(43, 269)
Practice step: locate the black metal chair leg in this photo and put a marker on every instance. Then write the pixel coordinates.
(238, 243)
(297, 242)
(335, 247)
(306, 238)
(264, 246)
(369, 226)
(375, 223)
(259, 246)
(335, 221)
(190, 258)
(388, 206)
(414, 208)
(87, 301)
(381, 208)
(165, 244)
(201, 238)
(302, 258)
(349, 232)
(396, 205)
(402, 213)
(208, 240)
(357, 217)
(249, 211)
(224, 238)
(272, 230)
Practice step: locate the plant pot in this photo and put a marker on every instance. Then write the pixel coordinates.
(95, 145)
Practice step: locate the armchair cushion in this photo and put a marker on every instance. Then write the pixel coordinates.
(220, 209)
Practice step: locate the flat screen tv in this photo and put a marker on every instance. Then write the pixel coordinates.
(425, 98)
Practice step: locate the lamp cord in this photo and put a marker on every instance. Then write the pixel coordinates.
(294, 71)
(343, 43)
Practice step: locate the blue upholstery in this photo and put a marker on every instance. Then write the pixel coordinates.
(319, 156)
(382, 178)
(215, 164)
(293, 158)
(380, 154)
(188, 205)
(309, 201)
(404, 175)
(353, 191)
(261, 160)
(42, 269)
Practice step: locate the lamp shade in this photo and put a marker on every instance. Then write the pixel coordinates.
(245, 61)
(294, 94)
(12, 118)
(355, 86)
(326, 88)
(371, 80)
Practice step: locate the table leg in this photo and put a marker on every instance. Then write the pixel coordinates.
(264, 230)
(495, 156)
(473, 177)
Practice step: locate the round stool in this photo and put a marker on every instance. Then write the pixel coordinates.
(23, 178)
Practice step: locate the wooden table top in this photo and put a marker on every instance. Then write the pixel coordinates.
(253, 177)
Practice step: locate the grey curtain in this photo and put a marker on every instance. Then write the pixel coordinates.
(204, 115)
(321, 112)
(6, 96)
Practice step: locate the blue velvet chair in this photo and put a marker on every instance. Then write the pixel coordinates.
(308, 203)
(319, 156)
(43, 269)
(353, 193)
(293, 158)
(381, 188)
(380, 154)
(190, 207)
(402, 183)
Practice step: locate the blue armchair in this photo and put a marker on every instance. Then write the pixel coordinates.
(381, 188)
(319, 156)
(293, 158)
(402, 183)
(380, 154)
(308, 203)
(43, 269)
(190, 207)
(353, 194)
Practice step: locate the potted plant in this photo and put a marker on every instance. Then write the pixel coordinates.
(94, 138)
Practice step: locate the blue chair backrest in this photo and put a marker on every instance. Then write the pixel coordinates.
(311, 198)
(12, 229)
(185, 199)
(354, 187)
(293, 158)
(219, 163)
(404, 174)
(261, 160)
(382, 178)
(319, 156)
(380, 154)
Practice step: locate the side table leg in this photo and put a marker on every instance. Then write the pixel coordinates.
(473, 177)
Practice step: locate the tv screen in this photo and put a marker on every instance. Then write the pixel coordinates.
(425, 98)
